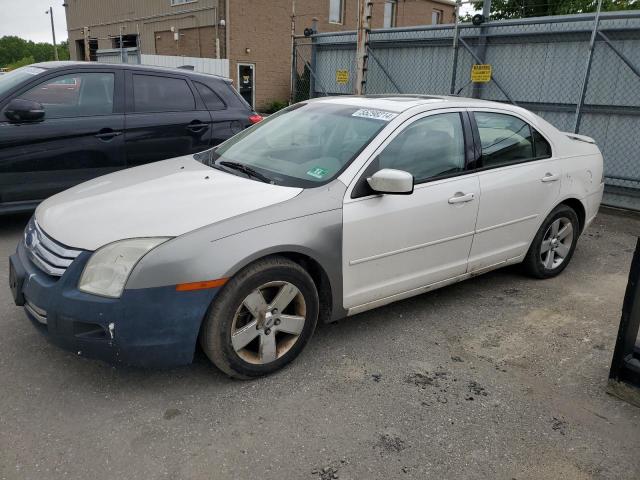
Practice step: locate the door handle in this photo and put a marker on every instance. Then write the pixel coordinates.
(461, 197)
(196, 126)
(550, 177)
(107, 134)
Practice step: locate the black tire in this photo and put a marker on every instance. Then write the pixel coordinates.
(533, 263)
(215, 336)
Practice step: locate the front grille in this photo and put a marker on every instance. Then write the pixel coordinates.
(48, 255)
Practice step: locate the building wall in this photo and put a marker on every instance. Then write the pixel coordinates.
(260, 34)
(149, 19)
(259, 30)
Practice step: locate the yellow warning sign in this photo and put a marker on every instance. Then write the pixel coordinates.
(342, 77)
(481, 73)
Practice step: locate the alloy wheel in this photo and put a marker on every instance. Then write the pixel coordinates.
(556, 243)
(268, 322)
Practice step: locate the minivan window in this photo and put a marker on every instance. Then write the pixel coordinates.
(152, 93)
(16, 77)
(505, 139)
(74, 95)
(209, 97)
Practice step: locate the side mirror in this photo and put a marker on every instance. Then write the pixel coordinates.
(391, 181)
(20, 110)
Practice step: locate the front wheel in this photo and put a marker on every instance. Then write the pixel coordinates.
(262, 319)
(554, 244)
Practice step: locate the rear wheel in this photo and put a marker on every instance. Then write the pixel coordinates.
(262, 319)
(554, 244)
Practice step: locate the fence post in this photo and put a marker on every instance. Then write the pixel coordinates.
(482, 46)
(294, 73)
(362, 45)
(454, 61)
(312, 60)
(585, 80)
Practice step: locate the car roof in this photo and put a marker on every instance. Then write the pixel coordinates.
(146, 68)
(401, 103)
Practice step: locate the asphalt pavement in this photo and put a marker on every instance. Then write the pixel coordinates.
(498, 377)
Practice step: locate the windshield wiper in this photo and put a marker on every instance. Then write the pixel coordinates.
(247, 170)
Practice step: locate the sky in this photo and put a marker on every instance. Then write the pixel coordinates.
(26, 19)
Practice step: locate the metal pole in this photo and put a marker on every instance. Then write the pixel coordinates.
(122, 59)
(87, 56)
(585, 81)
(293, 52)
(621, 55)
(454, 62)
(53, 34)
(384, 70)
(482, 46)
(312, 65)
(364, 27)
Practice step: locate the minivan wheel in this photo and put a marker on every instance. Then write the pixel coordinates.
(554, 244)
(262, 318)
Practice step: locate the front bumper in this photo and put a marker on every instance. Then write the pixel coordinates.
(152, 327)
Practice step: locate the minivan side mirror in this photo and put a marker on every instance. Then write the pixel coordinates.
(20, 110)
(391, 181)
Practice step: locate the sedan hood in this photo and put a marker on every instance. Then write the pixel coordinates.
(162, 199)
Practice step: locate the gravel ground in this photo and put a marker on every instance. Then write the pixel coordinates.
(498, 377)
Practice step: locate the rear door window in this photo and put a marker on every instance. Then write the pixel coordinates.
(153, 93)
(210, 98)
(505, 139)
(74, 95)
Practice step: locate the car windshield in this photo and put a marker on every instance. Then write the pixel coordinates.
(15, 77)
(305, 145)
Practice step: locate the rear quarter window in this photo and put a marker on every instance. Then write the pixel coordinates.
(210, 98)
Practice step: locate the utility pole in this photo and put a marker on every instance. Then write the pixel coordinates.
(482, 45)
(53, 33)
(85, 32)
(293, 52)
(364, 28)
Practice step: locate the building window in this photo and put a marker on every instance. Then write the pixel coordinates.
(180, 2)
(436, 17)
(389, 15)
(336, 10)
(128, 41)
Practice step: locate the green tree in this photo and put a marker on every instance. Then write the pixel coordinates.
(21, 63)
(503, 9)
(15, 49)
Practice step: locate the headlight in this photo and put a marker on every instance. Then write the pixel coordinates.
(109, 267)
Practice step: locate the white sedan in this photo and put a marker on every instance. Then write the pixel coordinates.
(327, 209)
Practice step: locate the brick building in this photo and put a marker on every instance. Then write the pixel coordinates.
(254, 35)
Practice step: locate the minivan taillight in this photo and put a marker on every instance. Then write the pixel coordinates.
(255, 118)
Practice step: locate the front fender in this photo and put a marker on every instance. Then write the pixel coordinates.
(194, 257)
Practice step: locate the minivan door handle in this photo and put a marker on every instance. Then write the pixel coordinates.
(550, 177)
(107, 134)
(461, 197)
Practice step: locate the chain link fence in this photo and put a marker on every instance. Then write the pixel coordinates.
(548, 65)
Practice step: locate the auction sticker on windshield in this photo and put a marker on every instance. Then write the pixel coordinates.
(318, 172)
(374, 114)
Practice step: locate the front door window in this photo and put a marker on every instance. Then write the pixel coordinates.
(430, 147)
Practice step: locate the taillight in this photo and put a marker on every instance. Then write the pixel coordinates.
(255, 118)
